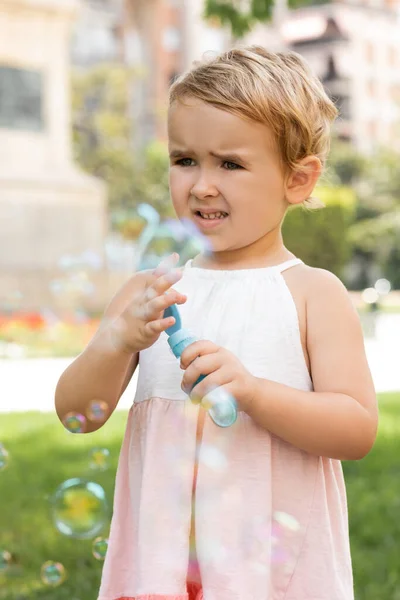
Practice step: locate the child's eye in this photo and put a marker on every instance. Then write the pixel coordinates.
(185, 162)
(232, 166)
(181, 162)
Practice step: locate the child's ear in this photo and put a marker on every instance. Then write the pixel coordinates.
(301, 182)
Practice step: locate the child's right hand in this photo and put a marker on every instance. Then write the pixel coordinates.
(142, 322)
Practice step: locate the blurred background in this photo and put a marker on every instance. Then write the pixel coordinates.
(84, 201)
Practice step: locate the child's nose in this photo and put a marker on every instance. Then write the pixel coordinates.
(204, 187)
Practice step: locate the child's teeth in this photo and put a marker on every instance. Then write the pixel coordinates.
(212, 215)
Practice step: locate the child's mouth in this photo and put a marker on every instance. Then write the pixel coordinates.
(211, 216)
(207, 221)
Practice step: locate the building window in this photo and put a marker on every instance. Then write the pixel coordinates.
(21, 99)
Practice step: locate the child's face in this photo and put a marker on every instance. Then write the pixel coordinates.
(245, 180)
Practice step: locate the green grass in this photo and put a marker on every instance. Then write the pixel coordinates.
(43, 455)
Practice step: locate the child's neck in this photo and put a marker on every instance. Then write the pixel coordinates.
(218, 262)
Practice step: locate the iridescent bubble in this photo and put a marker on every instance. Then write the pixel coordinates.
(158, 240)
(221, 406)
(66, 262)
(285, 538)
(12, 301)
(92, 259)
(5, 560)
(212, 457)
(79, 283)
(75, 422)
(4, 458)
(99, 459)
(97, 411)
(52, 573)
(99, 548)
(286, 521)
(79, 508)
(57, 287)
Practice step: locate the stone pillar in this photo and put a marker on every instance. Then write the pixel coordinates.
(48, 207)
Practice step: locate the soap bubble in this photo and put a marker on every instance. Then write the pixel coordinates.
(99, 548)
(212, 457)
(286, 521)
(88, 259)
(97, 411)
(52, 573)
(159, 240)
(79, 508)
(12, 301)
(99, 459)
(4, 457)
(75, 422)
(383, 286)
(221, 406)
(285, 539)
(5, 560)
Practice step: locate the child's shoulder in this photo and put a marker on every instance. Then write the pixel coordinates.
(321, 284)
(315, 282)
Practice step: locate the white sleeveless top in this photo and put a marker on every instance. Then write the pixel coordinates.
(271, 519)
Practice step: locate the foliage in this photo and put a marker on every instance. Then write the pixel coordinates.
(241, 16)
(103, 141)
(101, 127)
(375, 179)
(28, 533)
(345, 165)
(317, 236)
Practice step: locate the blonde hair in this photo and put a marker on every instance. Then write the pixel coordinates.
(276, 89)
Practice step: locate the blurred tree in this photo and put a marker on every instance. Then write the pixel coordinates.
(345, 165)
(242, 20)
(319, 236)
(102, 135)
(375, 234)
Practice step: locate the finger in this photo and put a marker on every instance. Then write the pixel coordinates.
(158, 326)
(205, 365)
(166, 264)
(196, 349)
(155, 306)
(150, 310)
(163, 284)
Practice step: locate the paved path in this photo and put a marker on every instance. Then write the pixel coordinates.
(30, 384)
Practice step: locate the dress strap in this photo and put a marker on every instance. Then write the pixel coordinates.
(287, 264)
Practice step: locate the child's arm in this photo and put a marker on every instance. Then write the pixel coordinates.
(101, 371)
(339, 418)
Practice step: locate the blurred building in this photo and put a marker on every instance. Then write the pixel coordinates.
(48, 206)
(160, 38)
(96, 35)
(354, 47)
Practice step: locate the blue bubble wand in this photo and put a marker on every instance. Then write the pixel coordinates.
(223, 410)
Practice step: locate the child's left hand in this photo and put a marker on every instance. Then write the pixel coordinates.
(222, 369)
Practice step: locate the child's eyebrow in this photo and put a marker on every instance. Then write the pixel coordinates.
(232, 156)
